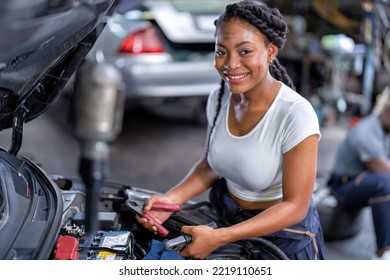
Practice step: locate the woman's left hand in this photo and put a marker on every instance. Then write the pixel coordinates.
(204, 242)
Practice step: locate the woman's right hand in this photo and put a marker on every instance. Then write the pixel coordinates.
(159, 216)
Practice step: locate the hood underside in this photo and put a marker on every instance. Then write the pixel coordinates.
(42, 42)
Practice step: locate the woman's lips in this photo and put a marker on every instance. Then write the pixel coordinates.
(236, 78)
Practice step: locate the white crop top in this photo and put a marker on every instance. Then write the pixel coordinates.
(252, 164)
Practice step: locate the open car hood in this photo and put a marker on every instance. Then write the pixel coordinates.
(31, 209)
(42, 42)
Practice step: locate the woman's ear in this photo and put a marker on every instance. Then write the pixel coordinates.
(272, 51)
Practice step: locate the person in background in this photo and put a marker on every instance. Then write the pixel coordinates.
(361, 172)
(260, 156)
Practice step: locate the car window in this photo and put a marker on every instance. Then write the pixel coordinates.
(201, 6)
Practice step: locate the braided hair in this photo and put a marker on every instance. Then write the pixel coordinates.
(270, 23)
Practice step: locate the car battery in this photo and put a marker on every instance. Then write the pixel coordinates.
(111, 245)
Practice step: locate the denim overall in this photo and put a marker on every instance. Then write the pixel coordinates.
(367, 189)
(303, 241)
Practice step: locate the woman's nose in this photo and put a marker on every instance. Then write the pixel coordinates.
(232, 63)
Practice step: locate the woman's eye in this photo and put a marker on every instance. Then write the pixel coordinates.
(219, 53)
(244, 52)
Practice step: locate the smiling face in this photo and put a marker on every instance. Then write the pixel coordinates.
(242, 54)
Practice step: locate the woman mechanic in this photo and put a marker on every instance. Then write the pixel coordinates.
(260, 158)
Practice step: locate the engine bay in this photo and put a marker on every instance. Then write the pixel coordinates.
(121, 237)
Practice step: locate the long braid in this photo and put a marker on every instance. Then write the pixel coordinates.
(269, 22)
(218, 109)
(278, 72)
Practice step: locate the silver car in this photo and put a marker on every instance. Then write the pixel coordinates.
(164, 49)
